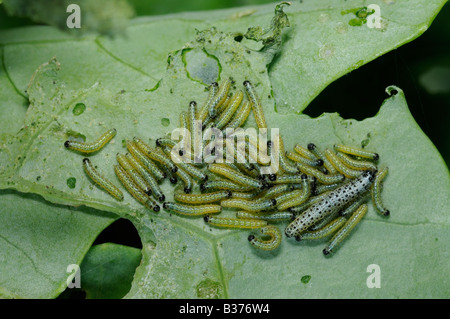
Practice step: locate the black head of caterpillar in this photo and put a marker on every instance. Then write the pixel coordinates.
(319, 162)
(371, 174)
(311, 146)
(265, 185)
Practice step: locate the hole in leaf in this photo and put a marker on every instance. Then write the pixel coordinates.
(201, 66)
(79, 109)
(393, 92)
(238, 38)
(108, 268)
(357, 95)
(165, 122)
(76, 136)
(71, 182)
(122, 232)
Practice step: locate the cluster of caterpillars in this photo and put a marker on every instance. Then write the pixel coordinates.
(319, 192)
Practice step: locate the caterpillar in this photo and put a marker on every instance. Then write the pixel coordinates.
(222, 107)
(289, 179)
(355, 164)
(298, 200)
(311, 201)
(243, 195)
(95, 146)
(321, 177)
(273, 241)
(101, 181)
(271, 216)
(205, 198)
(184, 143)
(149, 179)
(324, 231)
(304, 152)
(356, 151)
(219, 98)
(325, 187)
(229, 222)
(343, 232)
(192, 210)
(350, 209)
(240, 116)
(224, 185)
(275, 191)
(376, 192)
(230, 110)
(195, 128)
(298, 158)
(192, 116)
(334, 201)
(319, 154)
(133, 173)
(282, 198)
(249, 205)
(156, 155)
(182, 174)
(148, 164)
(236, 176)
(165, 142)
(256, 105)
(203, 113)
(134, 190)
(339, 166)
(286, 166)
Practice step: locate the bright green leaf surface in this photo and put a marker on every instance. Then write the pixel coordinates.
(103, 16)
(14, 104)
(108, 269)
(133, 85)
(38, 241)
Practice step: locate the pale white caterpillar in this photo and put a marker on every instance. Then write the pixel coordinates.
(336, 200)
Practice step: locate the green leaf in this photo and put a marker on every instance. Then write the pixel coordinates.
(405, 246)
(107, 270)
(103, 16)
(14, 103)
(140, 83)
(324, 45)
(39, 241)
